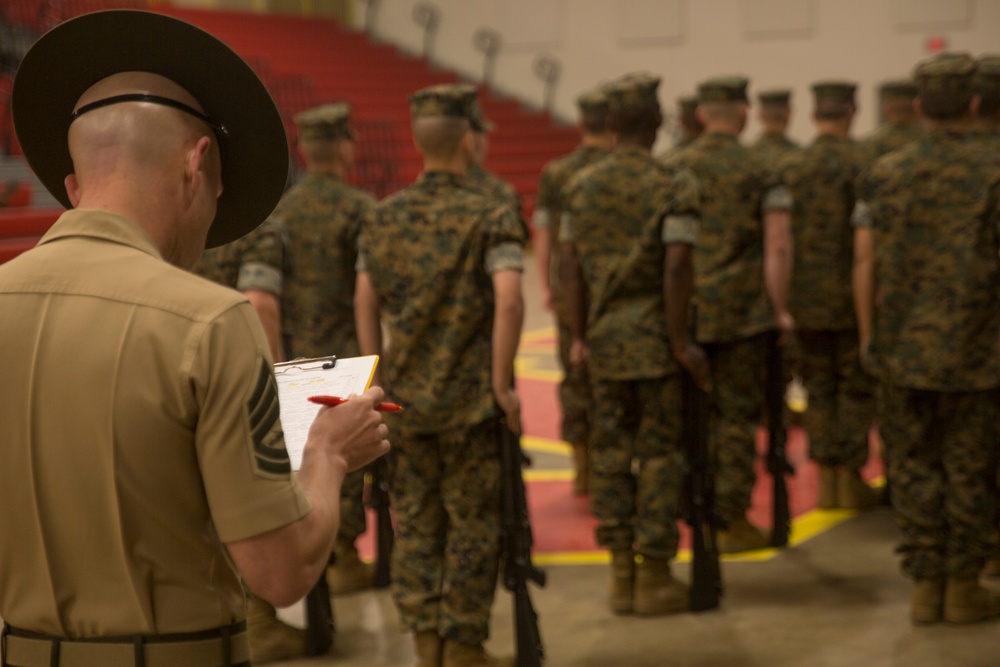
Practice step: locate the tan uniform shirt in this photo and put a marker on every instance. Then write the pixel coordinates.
(140, 431)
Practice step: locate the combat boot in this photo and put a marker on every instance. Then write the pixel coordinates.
(965, 601)
(348, 574)
(460, 654)
(656, 591)
(622, 580)
(826, 495)
(741, 536)
(581, 460)
(429, 648)
(270, 638)
(927, 601)
(853, 493)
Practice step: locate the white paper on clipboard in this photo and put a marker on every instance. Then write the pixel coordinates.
(302, 378)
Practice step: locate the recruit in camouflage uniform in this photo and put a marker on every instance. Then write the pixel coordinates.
(689, 127)
(624, 215)
(574, 389)
(822, 180)
(744, 204)
(490, 183)
(773, 144)
(900, 124)
(934, 206)
(988, 86)
(323, 216)
(441, 263)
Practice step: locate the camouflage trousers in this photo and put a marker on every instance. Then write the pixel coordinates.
(841, 397)
(352, 510)
(445, 495)
(738, 370)
(637, 464)
(574, 393)
(942, 450)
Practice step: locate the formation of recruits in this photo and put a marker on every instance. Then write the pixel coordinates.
(895, 296)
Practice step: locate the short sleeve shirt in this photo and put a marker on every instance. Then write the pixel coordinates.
(256, 261)
(141, 432)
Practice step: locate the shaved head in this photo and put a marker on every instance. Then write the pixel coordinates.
(439, 137)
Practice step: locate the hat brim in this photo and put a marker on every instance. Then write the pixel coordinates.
(76, 54)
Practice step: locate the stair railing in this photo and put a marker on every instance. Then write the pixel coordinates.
(548, 69)
(487, 41)
(427, 15)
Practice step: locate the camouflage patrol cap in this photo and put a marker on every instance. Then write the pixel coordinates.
(592, 100)
(687, 104)
(987, 80)
(454, 100)
(478, 121)
(775, 98)
(723, 89)
(327, 122)
(634, 91)
(945, 74)
(898, 88)
(838, 92)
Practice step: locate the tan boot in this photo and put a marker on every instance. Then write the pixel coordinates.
(927, 601)
(853, 493)
(429, 648)
(741, 536)
(581, 461)
(826, 495)
(965, 601)
(349, 574)
(656, 591)
(271, 639)
(459, 654)
(622, 581)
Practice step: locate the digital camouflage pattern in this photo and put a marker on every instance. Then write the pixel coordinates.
(255, 261)
(446, 500)
(729, 256)
(618, 211)
(637, 505)
(888, 137)
(841, 397)
(934, 207)
(942, 458)
(771, 148)
(499, 189)
(429, 251)
(574, 388)
(323, 216)
(822, 181)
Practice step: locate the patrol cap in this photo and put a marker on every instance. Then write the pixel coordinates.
(775, 98)
(479, 122)
(634, 91)
(687, 105)
(327, 122)
(723, 89)
(987, 80)
(74, 55)
(898, 88)
(593, 101)
(947, 74)
(836, 92)
(454, 100)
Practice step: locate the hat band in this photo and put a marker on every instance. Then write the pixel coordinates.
(218, 128)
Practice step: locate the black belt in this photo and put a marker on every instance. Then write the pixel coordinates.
(220, 647)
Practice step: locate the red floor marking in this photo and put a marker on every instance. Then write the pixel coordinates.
(540, 411)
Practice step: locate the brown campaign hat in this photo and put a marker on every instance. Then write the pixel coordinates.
(76, 54)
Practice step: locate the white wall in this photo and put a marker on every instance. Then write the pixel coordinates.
(777, 43)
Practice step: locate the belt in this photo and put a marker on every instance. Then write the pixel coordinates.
(221, 647)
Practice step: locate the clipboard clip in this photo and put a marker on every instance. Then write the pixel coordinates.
(332, 363)
(328, 363)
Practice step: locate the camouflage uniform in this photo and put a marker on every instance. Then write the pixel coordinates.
(491, 184)
(430, 251)
(323, 216)
(734, 314)
(256, 261)
(772, 147)
(689, 127)
(841, 405)
(893, 134)
(988, 87)
(620, 214)
(934, 206)
(574, 389)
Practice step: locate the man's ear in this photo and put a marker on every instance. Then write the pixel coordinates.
(72, 189)
(195, 164)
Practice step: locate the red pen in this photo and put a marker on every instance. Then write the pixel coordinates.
(331, 401)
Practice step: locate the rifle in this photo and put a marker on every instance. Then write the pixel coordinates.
(777, 463)
(319, 618)
(699, 494)
(515, 544)
(378, 500)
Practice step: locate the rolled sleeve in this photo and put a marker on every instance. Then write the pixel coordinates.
(566, 228)
(778, 198)
(680, 229)
(504, 257)
(861, 216)
(541, 219)
(260, 276)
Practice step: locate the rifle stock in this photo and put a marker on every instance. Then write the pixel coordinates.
(700, 515)
(378, 500)
(516, 540)
(777, 463)
(319, 618)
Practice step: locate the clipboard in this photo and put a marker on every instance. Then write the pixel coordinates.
(301, 378)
